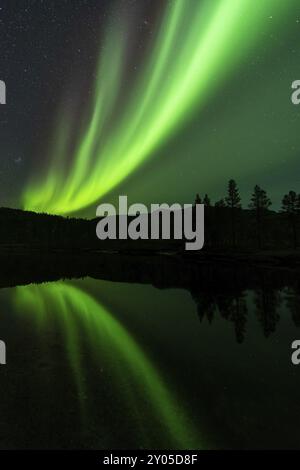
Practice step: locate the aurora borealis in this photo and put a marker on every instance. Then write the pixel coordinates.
(136, 344)
(186, 93)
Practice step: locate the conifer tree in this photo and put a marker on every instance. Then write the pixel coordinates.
(206, 201)
(259, 203)
(233, 201)
(291, 206)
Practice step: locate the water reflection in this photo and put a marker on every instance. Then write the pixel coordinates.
(80, 316)
(234, 307)
(200, 360)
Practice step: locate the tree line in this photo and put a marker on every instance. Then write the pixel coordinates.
(259, 204)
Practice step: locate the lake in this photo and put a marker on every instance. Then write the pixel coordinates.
(96, 364)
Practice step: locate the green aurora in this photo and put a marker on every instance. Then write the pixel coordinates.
(196, 49)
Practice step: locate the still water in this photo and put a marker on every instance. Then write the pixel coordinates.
(98, 364)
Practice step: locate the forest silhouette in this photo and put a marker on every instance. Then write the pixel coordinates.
(257, 226)
(228, 227)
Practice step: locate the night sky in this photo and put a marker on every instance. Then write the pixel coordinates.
(155, 99)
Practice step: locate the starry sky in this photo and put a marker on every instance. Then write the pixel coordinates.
(151, 98)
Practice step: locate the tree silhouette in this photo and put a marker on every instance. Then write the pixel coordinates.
(233, 307)
(291, 206)
(206, 201)
(259, 203)
(220, 203)
(233, 198)
(267, 301)
(198, 199)
(205, 302)
(233, 201)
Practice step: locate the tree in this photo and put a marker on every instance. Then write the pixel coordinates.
(291, 206)
(220, 203)
(233, 201)
(206, 201)
(259, 203)
(259, 200)
(198, 199)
